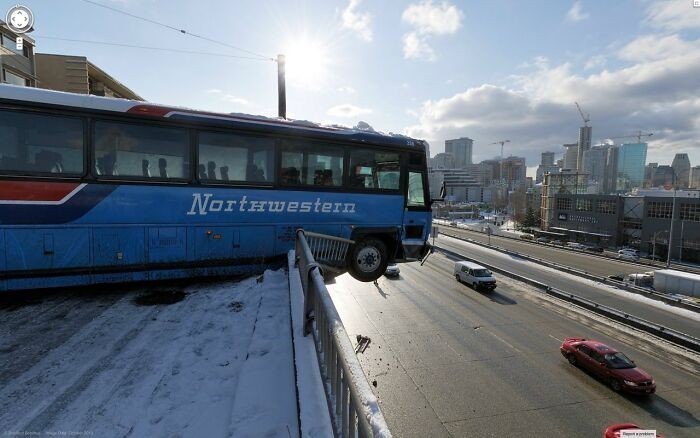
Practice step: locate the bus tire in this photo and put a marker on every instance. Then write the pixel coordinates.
(368, 259)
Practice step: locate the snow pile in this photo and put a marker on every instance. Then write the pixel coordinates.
(218, 363)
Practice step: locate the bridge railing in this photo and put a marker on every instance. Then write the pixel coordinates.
(351, 403)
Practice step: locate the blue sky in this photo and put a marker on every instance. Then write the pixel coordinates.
(488, 70)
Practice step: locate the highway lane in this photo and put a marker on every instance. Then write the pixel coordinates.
(581, 287)
(446, 360)
(575, 259)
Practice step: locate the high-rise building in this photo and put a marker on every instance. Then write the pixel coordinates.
(595, 163)
(584, 144)
(649, 174)
(443, 160)
(610, 180)
(461, 149)
(514, 171)
(630, 166)
(570, 156)
(681, 167)
(663, 177)
(547, 159)
(695, 177)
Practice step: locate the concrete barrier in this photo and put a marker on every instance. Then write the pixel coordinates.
(660, 331)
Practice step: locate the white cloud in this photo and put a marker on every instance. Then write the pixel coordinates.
(348, 111)
(673, 15)
(595, 62)
(428, 19)
(659, 93)
(575, 14)
(651, 47)
(214, 91)
(416, 47)
(347, 89)
(233, 99)
(359, 22)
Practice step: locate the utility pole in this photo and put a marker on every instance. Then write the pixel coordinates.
(281, 88)
(670, 234)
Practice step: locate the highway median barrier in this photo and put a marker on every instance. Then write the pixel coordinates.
(673, 301)
(660, 331)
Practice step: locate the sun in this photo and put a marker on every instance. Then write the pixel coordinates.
(306, 62)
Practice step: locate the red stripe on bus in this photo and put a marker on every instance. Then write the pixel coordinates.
(150, 110)
(35, 191)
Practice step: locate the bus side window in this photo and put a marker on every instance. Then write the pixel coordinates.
(38, 144)
(374, 169)
(127, 150)
(236, 158)
(309, 164)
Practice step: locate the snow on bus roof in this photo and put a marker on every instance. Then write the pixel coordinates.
(52, 97)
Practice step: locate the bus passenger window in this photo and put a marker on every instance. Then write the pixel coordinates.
(239, 158)
(374, 170)
(311, 164)
(126, 150)
(36, 144)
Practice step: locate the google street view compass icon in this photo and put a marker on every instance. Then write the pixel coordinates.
(20, 19)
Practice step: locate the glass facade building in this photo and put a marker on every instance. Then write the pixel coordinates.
(631, 163)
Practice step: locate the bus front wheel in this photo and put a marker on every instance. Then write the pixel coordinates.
(368, 259)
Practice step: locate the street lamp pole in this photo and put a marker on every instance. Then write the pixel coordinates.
(670, 233)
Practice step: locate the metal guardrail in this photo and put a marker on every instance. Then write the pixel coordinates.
(351, 403)
(663, 332)
(328, 250)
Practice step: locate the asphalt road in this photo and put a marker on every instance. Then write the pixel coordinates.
(581, 287)
(446, 360)
(576, 259)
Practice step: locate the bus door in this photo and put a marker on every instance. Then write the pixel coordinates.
(417, 213)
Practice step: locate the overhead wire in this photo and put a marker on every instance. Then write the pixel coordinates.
(182, 31)
(163, 49)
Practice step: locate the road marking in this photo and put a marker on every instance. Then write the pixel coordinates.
(555, 338)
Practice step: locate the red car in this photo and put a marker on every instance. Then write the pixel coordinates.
(614, 430)
(609, 364)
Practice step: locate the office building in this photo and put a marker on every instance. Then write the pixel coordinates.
(565, 182)
(17, 67)
(461, 149)
(514, 172)
(681, 169)
(570, 156)
(76, 74)
(630, 166)
(695, 177)
(649, 172)
(443, 160)
(595, 162)
(547, 159)
(663, 177)
(584, 144)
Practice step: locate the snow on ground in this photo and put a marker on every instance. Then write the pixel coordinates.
(597, 285)
(217, 363)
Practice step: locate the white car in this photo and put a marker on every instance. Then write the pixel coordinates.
(629, 256)
(392, 270)
(576, 245)
(474, 275)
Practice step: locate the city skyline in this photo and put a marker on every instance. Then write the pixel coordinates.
(351, 61)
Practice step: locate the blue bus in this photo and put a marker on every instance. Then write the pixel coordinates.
(96, 190)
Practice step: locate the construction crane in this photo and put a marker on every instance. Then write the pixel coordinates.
(638, 136)
(586, 118)
(501, 142)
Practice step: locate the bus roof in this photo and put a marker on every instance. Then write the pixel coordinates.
(233, 120)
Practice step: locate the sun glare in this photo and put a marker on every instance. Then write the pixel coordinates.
(306, 62)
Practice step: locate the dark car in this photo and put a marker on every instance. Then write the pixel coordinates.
(618, 277)
(619, 371)
(594, 248)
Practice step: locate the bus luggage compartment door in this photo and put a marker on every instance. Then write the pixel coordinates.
(54, 248)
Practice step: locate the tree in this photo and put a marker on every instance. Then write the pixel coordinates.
(530, 218)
